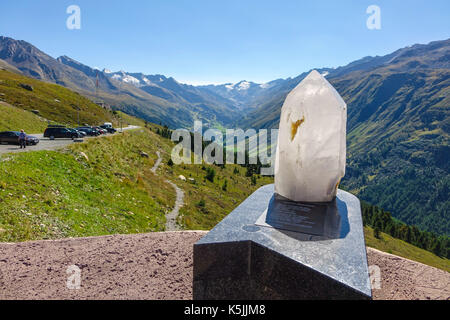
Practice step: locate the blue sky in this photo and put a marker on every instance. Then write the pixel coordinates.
(199, 41)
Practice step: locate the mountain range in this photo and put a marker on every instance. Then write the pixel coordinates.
(165, 101)
(398, 116)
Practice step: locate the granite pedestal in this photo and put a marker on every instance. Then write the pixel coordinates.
(270, 248)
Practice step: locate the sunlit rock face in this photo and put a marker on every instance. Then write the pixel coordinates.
(311, 151)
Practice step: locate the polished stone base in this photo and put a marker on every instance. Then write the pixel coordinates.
(270, 248)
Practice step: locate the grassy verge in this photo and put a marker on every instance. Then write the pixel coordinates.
(13, 118)
(48, 195)
(129, 120)
(401, 248)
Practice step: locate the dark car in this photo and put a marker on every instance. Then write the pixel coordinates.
(81, 134)
(108, 128)
(12, 137)
(32, 140)
(58, 132)
(89, 131)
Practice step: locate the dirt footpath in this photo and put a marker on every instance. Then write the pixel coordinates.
(171, 217)
(159, 266)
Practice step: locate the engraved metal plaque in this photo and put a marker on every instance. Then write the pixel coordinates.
(319, 219)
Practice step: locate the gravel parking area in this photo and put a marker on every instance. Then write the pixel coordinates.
(44, 144)
(47, 144)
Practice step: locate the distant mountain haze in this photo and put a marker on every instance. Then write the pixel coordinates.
(398, 116)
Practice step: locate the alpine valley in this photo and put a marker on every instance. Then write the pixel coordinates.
(398, 116)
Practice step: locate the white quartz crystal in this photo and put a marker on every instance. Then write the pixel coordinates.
(311, 150)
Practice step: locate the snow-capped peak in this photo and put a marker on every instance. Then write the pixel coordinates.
(122, 76)
(230, 86)
(129, 79)
(146, 80)
(243, 85)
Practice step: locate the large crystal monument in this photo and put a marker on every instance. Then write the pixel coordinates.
(311, 151)
(301, 238)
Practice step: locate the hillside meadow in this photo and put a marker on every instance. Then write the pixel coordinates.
(105, 186)
(51, 101)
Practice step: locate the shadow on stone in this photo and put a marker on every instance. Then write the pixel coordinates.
(321, 221)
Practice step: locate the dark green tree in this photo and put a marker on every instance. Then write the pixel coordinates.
(376, 232)
(210, 174)
(225, 185)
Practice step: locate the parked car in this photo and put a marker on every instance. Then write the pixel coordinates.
(59, 132)
(80, 133)
(83, 134)
(32, 140)
(89, 131)
(101, 130)
(110, 129)
(12, 137)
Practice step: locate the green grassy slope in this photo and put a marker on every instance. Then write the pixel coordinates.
(403, 249)
(217, 201)
(53, 102)
(398, 144)
(12, 118)
(129, 120)
(48, 195)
